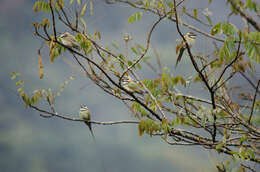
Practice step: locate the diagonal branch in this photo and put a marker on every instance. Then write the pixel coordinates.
(249, 81)
(252, 108)
(230, 76)
(244, 15)
(53, 20)
(233, 61)
(146, 49)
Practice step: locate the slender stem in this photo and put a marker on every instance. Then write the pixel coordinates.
(233, 61)
(212, 93)
(53, 20)
(252, 108)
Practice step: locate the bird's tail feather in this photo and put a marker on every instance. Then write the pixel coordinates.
(90, 129)
(179, 57)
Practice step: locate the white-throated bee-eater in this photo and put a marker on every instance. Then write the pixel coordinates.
(131, 85)
(69, 40)
(190, 38)
(84, 114)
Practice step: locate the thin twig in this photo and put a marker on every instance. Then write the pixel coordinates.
(146, 49)
(53, 21)
(233, 61)
(249, 81)
(248, 167)
(230, 76)
(198, 20)
(158, 60)
(65, 117)
(252, 108)
(244, 15)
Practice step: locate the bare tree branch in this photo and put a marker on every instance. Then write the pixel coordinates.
(252, 108)
(244, 14)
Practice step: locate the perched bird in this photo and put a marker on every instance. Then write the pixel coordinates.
(69, 40)
(190, 38)
(84, 114)
(131, 85)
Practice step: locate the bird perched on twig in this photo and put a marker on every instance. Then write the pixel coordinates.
(69, 40)
(190, 38)
(131, 85)
(84, 114)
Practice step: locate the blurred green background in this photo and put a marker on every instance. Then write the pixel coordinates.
(29, 143)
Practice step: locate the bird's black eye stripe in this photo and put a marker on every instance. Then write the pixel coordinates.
(83, 108)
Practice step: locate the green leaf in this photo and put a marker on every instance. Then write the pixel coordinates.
(254, 36)
(59, 4)
(97, 35)
(129, 63)
(178, 80)
(236, 157)
(135, 17)
(251, 153)
(253, 52)
(149, 126)
(209, 20)
(134, 50)
(41, 6)
(242, 153)
(219, 146)
(122, 65)
(136, 106)
(138, 65)
(149, 84)
(40, 65)
(216, 29)
(229, 29)
(91, 8)
(14, 75)
(165, 78)
(83, 10)
(177, 121)
(243, 138)
(25, 97)
(78, 37)
(55, 51)
(141, 47)
(195, 13)
(53, 54)
(121, 56)
(19, 83)
(83, 23)
(252, 6)
(227, 52)
(226, 28)
(34, 99)
(170, 4)
(115, 45)
(45, 23)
